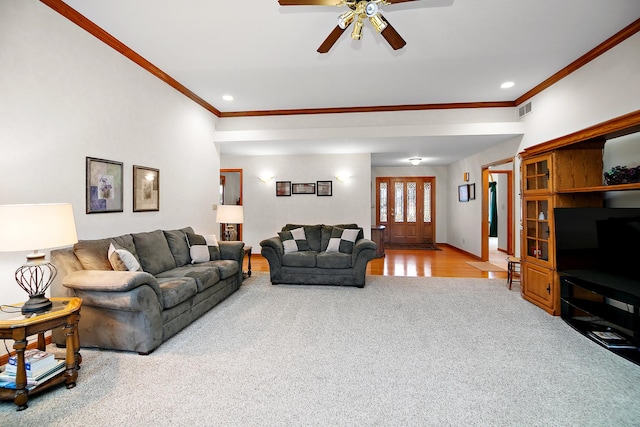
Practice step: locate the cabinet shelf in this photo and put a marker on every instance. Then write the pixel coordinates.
(601, 188)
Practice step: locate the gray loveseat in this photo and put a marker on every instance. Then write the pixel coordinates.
(319, 255)
(138, 310)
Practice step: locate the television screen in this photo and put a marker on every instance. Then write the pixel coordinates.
(598, 238)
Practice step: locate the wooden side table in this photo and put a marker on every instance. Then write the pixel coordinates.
(247, 253)
(65, 314)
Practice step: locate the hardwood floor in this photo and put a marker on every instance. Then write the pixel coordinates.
(448, 262)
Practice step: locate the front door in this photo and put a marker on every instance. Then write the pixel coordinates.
(405, 207)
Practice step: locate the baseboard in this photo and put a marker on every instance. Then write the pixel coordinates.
(455, 248)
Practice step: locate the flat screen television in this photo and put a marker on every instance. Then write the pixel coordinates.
(602, 239)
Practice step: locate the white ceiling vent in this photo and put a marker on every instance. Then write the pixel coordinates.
(524, 109)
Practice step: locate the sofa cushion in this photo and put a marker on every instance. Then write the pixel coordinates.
(203, 248)
(93, 254)
(178, 245)
(300, 259)
(121, 259)
(175, 290)
(328, 229)
(226, 267)
(333, 260)
(342, 240)
(204, 275)
(294, 240)
(153, 252)
(313, 234)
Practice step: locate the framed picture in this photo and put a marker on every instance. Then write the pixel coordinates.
(472, 191)
(146, 189)
(283, 188)
(463, 193)
(325, 188)
(103, 186)
(303, 188)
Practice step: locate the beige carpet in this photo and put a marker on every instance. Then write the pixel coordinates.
(485, 266)
(400, 352)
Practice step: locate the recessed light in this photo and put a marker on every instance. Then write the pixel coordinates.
(507, 85)
(227, 97)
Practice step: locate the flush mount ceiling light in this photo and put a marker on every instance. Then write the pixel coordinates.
(227, 97)
(360, 10)
(507, 85)
(415, 161)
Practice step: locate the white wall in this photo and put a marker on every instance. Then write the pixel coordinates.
(441, 175)
(465, 219)
(265, 213)
(502, 192)
(64, 96)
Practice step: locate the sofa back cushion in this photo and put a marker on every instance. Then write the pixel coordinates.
(93, 254)
(313, 234)
(177, 240)
(327, 231)
(153, 252)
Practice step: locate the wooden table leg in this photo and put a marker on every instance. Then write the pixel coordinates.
(70, 358)
(22, 394)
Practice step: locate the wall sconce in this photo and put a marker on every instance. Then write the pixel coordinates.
(415, 161)
(343, 177)
(265, 178)
(466, 177)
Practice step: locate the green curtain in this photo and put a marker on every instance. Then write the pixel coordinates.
(493, 211)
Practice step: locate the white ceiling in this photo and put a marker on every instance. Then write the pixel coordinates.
(265, 54)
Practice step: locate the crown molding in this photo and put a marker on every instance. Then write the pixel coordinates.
(86, 24)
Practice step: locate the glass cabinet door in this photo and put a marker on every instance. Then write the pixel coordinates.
(537, 175)
(537, 229)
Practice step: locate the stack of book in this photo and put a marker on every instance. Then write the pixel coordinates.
(39, 365)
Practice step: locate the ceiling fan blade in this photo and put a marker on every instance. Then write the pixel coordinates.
(312, 2)
(392, 36)
(331, 39)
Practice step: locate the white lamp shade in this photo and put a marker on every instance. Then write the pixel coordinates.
(36, 226)
(230, 214)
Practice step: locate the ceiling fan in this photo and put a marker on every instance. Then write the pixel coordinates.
(359, 10)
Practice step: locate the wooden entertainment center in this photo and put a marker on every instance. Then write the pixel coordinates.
(564, 172)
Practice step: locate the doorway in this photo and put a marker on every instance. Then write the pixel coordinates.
(498, 230)
(231, 194)
(406, 207)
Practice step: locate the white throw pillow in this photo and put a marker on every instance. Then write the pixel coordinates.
(122, 260)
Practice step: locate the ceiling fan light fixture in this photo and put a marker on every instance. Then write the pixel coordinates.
(378, 23)
(346, 19)
(371, 9)
(356, 34)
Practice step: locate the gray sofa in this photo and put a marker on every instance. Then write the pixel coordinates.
(319, 255)
(138, 310)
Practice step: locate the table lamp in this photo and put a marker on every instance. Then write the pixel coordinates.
(230, 215)
(35, 227)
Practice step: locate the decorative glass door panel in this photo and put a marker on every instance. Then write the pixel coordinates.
(537, 229)
(537, 175)
(407, 209)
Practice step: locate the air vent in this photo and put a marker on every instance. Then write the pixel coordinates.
(523, 110)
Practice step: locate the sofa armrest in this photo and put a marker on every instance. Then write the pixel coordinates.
(274, 243)
(232, 250)
(273, 250)
(110, 281)
(363, 251)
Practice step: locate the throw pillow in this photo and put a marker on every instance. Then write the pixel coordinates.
(121, 259)
(342, 240)
(294, 240)
(203, 248)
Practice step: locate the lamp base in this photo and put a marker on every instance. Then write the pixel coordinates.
(36, 304)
